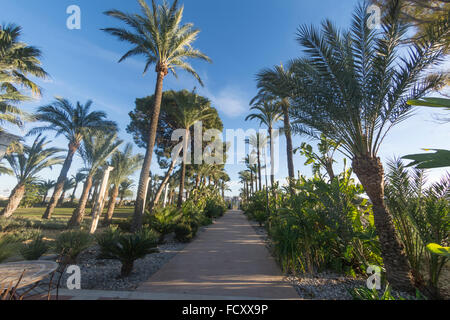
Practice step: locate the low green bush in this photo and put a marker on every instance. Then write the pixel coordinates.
(34, 249)
(163, 220)
(184, 232)
(8, 247)
(127, 248)
(214, 207)
(70, 244)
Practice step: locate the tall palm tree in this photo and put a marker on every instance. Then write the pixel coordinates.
(74, 123)
(78, 178)
(17, 62)
(95, 151)
(157, 34)
(26, 166)
(69, 184)
(273, 85)
(184, 109)
(267, 113)
(46, 186)
(125, 190)
(353, 87)
(258, 142)
(124, 164)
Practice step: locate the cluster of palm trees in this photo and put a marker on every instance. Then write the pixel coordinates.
(157, 33)
(352, 87)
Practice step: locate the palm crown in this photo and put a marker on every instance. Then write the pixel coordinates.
(73, 122)
(350, 88)
(158, 35)
(33, 159)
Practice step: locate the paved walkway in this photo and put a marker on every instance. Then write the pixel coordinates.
(229, 260)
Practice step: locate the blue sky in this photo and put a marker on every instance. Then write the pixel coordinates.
(241, 37)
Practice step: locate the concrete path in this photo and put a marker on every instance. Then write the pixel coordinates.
(228, 259)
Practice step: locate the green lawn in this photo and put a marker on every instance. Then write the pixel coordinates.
(66, 213)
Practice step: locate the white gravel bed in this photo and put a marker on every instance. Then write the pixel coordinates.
(104, 274)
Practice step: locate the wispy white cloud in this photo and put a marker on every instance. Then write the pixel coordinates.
(230, 101)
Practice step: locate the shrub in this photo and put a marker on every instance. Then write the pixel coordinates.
(105, 239)
(163, 220)
(184, 232)
(71, 243)
(34, 249)
(8, 247)
(259, 216)
(324, 226)
(127, 248)
(421, 216)
(214, 208)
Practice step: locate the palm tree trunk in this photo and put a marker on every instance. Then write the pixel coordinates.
(251, 181)
(112, 205)
(183, 169)
(163, 183)
(78, 213)
(370, 173)
(288, 134)
(45, 198)
(14, 200)
(272, 158)
(72, 198)
(120, 201)
(139, 206)
(60, 183)
(258, 153)
(61, 199)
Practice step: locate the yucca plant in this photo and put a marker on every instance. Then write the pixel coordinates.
(127, 248)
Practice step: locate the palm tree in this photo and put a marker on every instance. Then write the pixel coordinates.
(26, 166)
(184, 109)
(69, 184)
(125, 190)
(17, 62)
(273, 85)
(74, 123)
(124, 164)
(258, 141)
(79, 177)
(267, 113)
(353, 88)
(176, 151)
(244, 176)
(95, 151)
(157, 34)
(46, 185)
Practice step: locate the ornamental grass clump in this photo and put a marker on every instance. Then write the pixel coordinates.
(34, 249)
